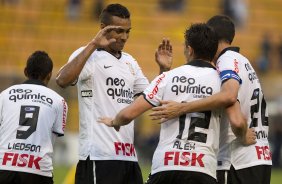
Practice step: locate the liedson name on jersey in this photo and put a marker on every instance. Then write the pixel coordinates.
(25, 147)
(26, 94)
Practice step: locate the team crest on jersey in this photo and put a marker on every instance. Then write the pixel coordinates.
(130, 68)
(86, 93)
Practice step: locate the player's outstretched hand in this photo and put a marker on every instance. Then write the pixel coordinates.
(167, 110)
(103, 39)
(163, 55)
(250, 137)
(109, 122)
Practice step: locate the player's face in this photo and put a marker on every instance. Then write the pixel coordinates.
(121, 35)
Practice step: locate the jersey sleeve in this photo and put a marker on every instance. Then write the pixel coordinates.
(141, 82)
(155, 91)
(228, 69)
(1, 104)
(85, 72)
(59, 126)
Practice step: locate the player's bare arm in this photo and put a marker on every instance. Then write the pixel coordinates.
(126, 115)
(163, 55)
(239, 125)
(70, 71)
(226, 97)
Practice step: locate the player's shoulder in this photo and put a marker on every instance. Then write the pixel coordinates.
(128, 56)
(40, 89)
(226, 55)
(53, 93)
(56, 97)
(195, 71)
(178, 71)
(232, 55)
(77, 51)
(10, 89)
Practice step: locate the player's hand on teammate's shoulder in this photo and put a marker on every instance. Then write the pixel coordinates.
(167, 110)
(250, 137)
(163, 55)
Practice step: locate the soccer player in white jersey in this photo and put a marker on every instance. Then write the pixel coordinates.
(107, 81)
(237, 164)
(31, 116)
(188, 145)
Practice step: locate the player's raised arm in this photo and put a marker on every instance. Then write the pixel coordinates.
(70, 71)
(163, 55)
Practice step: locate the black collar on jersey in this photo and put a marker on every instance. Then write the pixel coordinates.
(101, 49)
(34, 81)
(235, 49)
(201, 63)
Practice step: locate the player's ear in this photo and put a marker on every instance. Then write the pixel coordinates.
(48, 77)
(102, 25)
(25, 72)
(190, 51)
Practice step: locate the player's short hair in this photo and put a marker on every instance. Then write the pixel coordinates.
(38, 65)
(113, 10)
(223, 26)
(203, 40)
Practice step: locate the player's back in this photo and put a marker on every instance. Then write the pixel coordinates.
(29, 121)
(254, 108)
(190, 142)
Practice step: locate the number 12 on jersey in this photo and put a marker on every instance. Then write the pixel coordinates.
(198, 119)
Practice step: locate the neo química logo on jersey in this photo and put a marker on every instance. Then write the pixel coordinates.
(26, 94)
(116, 90)
(182, 84)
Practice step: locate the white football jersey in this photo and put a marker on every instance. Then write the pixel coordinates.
(232, 64)
(106, 85)
(31, 116)
(190, 142)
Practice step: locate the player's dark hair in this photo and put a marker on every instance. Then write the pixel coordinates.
(203, 40)
(38, 65)
(114, 10)
(224, 27)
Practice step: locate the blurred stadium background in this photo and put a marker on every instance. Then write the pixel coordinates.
(29, 25)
